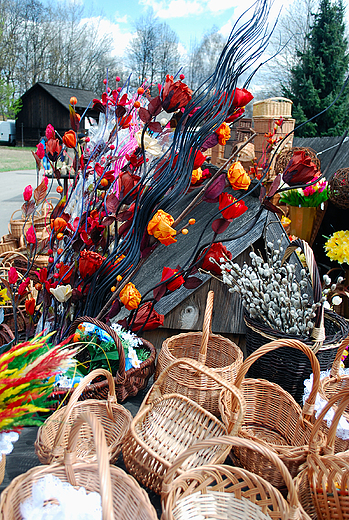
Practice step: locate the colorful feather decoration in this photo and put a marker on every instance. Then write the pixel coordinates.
(27, 373)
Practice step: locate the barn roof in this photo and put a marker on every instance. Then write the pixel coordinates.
(325, 148)
(63, 94)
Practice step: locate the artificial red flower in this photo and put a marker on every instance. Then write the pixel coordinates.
(59, 225)
(27, 193)
(42, 274)
(12, 275)
(174, 284)
(216, 251)
(236, 113)
(300, 169)
(241, 97)
(50, 132)
(40, 150)
(199, 160)
(53, 149)
(23, 286)
(69, 139)
(233, 211)
(31, 235)
(152, 321)
(175, 95)
(30, 306)
(89, 262)
(63, 270)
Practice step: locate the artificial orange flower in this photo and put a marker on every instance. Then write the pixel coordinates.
(238, 177)
(196, 175)
(223, 133)
(58, 224)
(130, 296)
(160, 227)
(69, 139)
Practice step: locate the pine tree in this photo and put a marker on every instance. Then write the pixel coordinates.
(320, 74)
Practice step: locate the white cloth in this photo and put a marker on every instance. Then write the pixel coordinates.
(53, 499)
(343, 425)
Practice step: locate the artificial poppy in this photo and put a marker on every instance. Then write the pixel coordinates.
(300, 169)
(234, 114)
(241, 97)
(216, 252)
(175, 95)
(160, 227)
(130, 296)
(89, 262)
(174, 284)
(69, 139)
(226, 200)
(30, 306)
(237, 176)
(147, 318)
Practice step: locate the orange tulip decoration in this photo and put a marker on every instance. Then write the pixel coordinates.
(160, 227)
(130, 296)
(69, 139)
(223, 133)
(238, 177)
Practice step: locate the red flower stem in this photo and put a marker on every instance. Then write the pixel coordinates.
(197, 200)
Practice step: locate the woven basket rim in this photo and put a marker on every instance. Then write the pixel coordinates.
(329, 343)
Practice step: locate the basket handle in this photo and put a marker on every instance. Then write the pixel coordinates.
(102, 458)
(57, 443)
(337, 360)
(308, 408)
(9, 222)
(318, 332)
(229, 440)
(342, 398)
(206, 330)
(120, 376)
(234, 423)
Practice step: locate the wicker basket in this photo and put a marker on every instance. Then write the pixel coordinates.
(122, 498)
(289, 368)
(18, 227)
(2, 467)
(170, 423)
(273, 107)
(42, 220)
(219, 491)
(323, 486)
(8, 243)
(52, 438)
(127, 383)
(220, 354)
(273, 417)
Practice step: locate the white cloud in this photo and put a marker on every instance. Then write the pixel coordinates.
(182, 8)
(120, 37)
(121, 19)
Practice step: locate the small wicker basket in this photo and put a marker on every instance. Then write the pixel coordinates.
(53, 435)
(323, 485)
(220, 491)
(220, 354)
(168, 424)
(273, 107)
(273, 417)
(122, 497)
(18, 227)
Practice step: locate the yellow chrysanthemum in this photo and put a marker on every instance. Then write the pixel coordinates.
(337, 247)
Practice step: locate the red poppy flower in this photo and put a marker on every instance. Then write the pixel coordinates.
(175, 95)
(300, 169)
(174, 284)
(153, 321)
(233, 211)
(23, 286)
(237, 113)
(30, 306)
(216, 251)
(89, 262)
(241, 97)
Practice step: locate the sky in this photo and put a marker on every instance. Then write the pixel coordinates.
(190, 19)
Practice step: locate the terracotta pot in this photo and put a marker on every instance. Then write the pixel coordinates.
(302, 221)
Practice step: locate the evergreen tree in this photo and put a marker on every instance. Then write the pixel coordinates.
(320, 73)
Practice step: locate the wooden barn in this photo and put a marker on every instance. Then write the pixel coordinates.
(44, 104)
(184, 308)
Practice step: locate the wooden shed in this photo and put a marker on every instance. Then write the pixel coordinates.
(44, 104)
(184, 309)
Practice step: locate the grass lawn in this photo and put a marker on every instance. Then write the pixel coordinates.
(16, 158)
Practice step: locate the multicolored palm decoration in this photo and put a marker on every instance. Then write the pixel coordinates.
(26, 379)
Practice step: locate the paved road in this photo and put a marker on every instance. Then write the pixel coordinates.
(12, 185)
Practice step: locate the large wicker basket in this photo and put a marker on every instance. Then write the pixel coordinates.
(288, 367)
(323, 485)
(127, 382)
(168, 424)
(220, 491)
(273, 417)
(122, 497)
(218, 353)
(53, 435)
